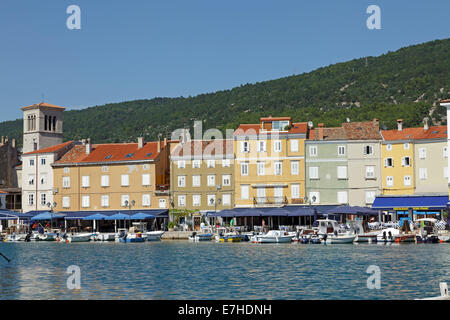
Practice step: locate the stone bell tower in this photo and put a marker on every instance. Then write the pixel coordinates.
(42, 126)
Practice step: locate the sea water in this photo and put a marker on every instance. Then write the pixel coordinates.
(209, 270)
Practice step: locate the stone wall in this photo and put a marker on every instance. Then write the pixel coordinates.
(9, 159)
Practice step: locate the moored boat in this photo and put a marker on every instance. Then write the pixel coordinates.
(79, 237)
(154, 235)
(200, 237)
(387, 235)
(272, 236)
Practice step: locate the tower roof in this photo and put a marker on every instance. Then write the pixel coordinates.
(42, 104)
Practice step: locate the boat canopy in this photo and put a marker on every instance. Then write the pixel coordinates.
(410, 202)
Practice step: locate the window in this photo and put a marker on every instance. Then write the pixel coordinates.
(181, 200)
(278, 168)
(314, 197)
(196, 200)
(422, 153)
(125, 179)
(423, 175)
(105, 181)
(162, 203)
(407, 180)
(261, 146)
(124, 199)
(446, 172)
(85, 201)
(182, 181)
(244, 191)
(406, 162)
(31, 180)
(66, 182)
(226, 180)
(211, 179)
(43, 199)
(211, 199)
(66, 202)
(294, 145)
(406, 146)
(196, 164)
(196, 181)
(445, 152)
(32, 162)
(146, 200)
(278, 194)
(261, 168)
(43, 161)
(341, 150)
(295, 191)
(342, 197)
(105, 201)
(226, 199)
(66, 169)
(211, 163)
(85, 182)
(146, 179)
(370, 172)
(313, 151)
(277, 146)
(389, 147)
(294, 167)
(342, 172)
(368, 150)
(244, 169)
(370, 197)
(226, 163)
(245, 146)
(261, 195)
(181, 164)
(43, 179)
(314, 172)
(389, 181)
(105, 169)
(31, 199)
(388, 162)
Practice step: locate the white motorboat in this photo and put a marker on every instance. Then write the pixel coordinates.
(79, 237)
(15, 237)
(272, 236)
(153, 235)
(387, 235)
(103, 237)
(331, 233)
(195, 237)
(362, 236)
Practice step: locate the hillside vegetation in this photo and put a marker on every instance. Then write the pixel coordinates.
(406, 84)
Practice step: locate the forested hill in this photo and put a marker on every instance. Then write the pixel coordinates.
(406, 84)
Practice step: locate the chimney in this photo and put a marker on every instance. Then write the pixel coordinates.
(425, 126)
(165, 142)
(14, 143)
(140, 142)
(88, 146)
(320, 130)
(399, 124)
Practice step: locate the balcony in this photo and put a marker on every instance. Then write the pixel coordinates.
(267, 201)
(162, 189)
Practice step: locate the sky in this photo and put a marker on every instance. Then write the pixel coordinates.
(141, 49)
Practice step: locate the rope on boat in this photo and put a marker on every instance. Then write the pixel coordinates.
(6, 258)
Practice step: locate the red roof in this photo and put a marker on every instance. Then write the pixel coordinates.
(247, 129)
(111, 152)
(367, 130)
(51, 149)
(42, 104)
(435, 132)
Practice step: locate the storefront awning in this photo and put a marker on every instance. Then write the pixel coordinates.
(404, 203)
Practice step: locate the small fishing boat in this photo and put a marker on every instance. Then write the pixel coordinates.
(338, 239)
(272, 236)
(103, 236)
(387, 235)
(362, 231)
(154, 235)
(229, 237)
(195, 237)
(331, 233)
(428, 232)
(48, 236)
(79, 237)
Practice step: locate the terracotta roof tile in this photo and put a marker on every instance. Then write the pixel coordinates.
(42, 104)
(434, 132)
(51, 149)
(250, 129)
(111, 152)
(368, 130)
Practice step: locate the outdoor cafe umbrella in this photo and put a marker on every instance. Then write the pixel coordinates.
(118, 216)
(47, 216)
(94, 217)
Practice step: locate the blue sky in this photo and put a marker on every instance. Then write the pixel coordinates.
(129, 50)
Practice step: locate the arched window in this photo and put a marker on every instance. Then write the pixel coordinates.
(54, 123)
(45, 123)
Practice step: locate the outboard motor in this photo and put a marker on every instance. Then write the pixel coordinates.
(384, 235)
(28, 236)
(390, 235)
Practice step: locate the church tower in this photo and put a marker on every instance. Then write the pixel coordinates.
(42, 126)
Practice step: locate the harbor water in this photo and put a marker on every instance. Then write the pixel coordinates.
(184, 270)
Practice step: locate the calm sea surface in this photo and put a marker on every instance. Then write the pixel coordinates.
(183, 270)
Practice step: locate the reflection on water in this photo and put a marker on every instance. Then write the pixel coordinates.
(183, 270)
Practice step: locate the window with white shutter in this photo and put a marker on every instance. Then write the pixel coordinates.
(314, 172)
(85, 201)
(105, 201)
(211, 180)
(85, 181)
(245, 192)
(66, 202)
(389, 181)
(146, 200)
(125, 180)
(295, 191)
(423, 174)
(294, 145)
(196, 200)
(226, 199)
(66, 182)
(105, 181)
(407, 180)
(342, 197)
(146, 179)
(244, 169)
(342, 172)
(294, 167)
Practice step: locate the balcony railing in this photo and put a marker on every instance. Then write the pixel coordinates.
(270, 200)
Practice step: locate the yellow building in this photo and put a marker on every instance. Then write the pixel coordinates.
(116, 176)
(270, 162)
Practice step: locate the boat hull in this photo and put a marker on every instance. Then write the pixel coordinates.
(263, 239)
(340, 239)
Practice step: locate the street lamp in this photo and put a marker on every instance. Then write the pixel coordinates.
(51, 206)
(128, 204)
